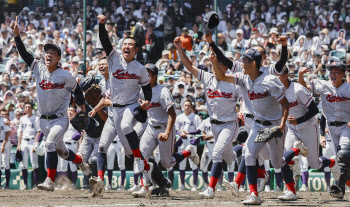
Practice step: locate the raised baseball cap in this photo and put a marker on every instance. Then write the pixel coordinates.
(53, 46)
(152, 67)
(336, 64)
(211, 20)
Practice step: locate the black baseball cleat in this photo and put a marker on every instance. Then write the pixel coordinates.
(336, 192)
(162, 192)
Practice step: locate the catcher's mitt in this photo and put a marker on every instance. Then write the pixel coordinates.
(93, 95)
(266, 134)
(79, 121)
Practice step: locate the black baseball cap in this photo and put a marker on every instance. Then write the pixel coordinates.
(253, 54)
(211, 20)
(336, 64)
(53, 46)
(152, 67)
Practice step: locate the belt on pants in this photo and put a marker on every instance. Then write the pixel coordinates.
(337, 123)
(115, 142)
(264, 123)
(188, 137)
(28, 139)
(211, 142)
(216, 122)
(157, 127)
(249, 116)
(69, 143)
(49, 117)
(120, 106)
(1, 141)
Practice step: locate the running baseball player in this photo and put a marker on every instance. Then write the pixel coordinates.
(28, 130)
(5, 148)
(221, 102)
(160, 131)
(54, 87)
(71, 140)
(335, 99)
(127, 77)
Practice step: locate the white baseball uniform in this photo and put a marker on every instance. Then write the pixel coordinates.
(116, 149)
(208, 147)
(6, 155)
(72, 145)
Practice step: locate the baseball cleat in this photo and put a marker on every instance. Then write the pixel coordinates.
(194, 156)
(277, 189)
(241, 189)
(347, 189)
(143, 193)
(139, 165)
(336, 192)
(168, 183)
(162, 192)
(335, 169)
(6, 187)
(84, 167)
(233, 186)
(121, 187)
(208, 193)
(262, 182)
(65, 187)
(47, 185)
(328, 189)
(252, 199)
(303, 150)
(134, 188)
(288, 196)
(97, 186)
(304, 188)
(147, 175)
(219, 188)
(205, 186)
(194, 188)
(182, 187)
(24, 187)
(267, 188)
(109, 187)
(295, 168)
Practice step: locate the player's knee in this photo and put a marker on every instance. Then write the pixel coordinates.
(276, 164)
(50, 146)
(231, 167)
(126, 127)
(102, 148)
(216, 157)
(250, 160)
(62, 153)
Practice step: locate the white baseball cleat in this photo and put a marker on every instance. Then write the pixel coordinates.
(182, 187)
(267, 188)
(241, 189)
(194, 188)
(134, 188)
(121, 187)
(304, 188)
(295, 168)
(109, 187)
(97, 186)
(205, 186)
(84, 167)
(47, 185)
(142, 193)
(219, 188)
(335, 169)
(252, 199)
(288, 196)
(277, 189)
(233, 186)
(347, 189)
(139, 165)
(208, 193)
(262, 182)
(303, 150)
(194, 156)
(24, 187)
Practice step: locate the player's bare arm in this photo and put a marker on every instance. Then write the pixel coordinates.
(184, 59)
(219, 73)
(301, 80)
(170, 125)
(285, 110)
(104, 102)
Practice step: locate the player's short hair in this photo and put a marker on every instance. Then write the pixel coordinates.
(104, 57)
(31, 104)
(74, 107)
(188, 102)
(136, 44)
(4, 110)
(264, 51)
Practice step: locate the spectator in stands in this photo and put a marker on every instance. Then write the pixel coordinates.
(187, 41)
(239, 41)
(340, 42)
(222, 42)
(229, 34)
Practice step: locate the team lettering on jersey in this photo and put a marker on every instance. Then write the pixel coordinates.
(120, 75)
(335, 98)
(152, 105)
(49, 85)
(217, 94)
(292, 104)
(186, 123)
(252, 95)
(30, 125)
(207, 128)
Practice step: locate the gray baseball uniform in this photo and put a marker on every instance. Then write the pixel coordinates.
(4, 157)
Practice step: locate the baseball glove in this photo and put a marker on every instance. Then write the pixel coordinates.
(93, 95)
(266, 134)
(79, 121)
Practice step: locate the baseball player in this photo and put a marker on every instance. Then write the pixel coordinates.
(5, 148)
(262, 91)
(221, 102)
(127, 76)
(28, 130)
(303, 130)
(71, 140)
(54, 87)
(160, 130)
(335, 99)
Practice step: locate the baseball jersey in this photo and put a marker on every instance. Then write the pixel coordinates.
(221, 97)
(53, 89)
(105, 89)
(125, 79)
(335, 101)
(299, 99)
(29, 126)
(262, 95)
(189, 123)
(69, 133)
(206, 127)
(3, 129)
(161, 101)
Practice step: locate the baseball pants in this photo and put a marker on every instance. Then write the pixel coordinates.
(5, 157)
(116, 149)
(88, 147)
(206, 156)
(63, 164)
(340, 135)
(27, 150)
(185, 143)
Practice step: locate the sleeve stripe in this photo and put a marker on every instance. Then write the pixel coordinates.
(234, 69)
(313, 87)
(280, 96)
(308, 101)
(200, 75)
(145, 81)
(36, 61)
(110, 55)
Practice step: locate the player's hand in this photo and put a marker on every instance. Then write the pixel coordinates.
(303, 70)
(207, 137)
(349, 125)
(323, 141)
(19, 148)
(208, 38)
(163, 137)
(101, 18)
(92, 113)
(14, 27)
(212, 56)
(144, 104)
(292, 120)
(178, 43)
(282, 40)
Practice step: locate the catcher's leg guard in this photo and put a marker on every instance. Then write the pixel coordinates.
(343, 158)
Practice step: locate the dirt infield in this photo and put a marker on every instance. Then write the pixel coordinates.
(177, 199)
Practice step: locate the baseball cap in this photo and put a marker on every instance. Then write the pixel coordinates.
(253, 54)
(165, 52)
(211, 20)
(152, 67)
(184, 29)
(336, 64)
(53, 46)
(239, 31)
(18, 111)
